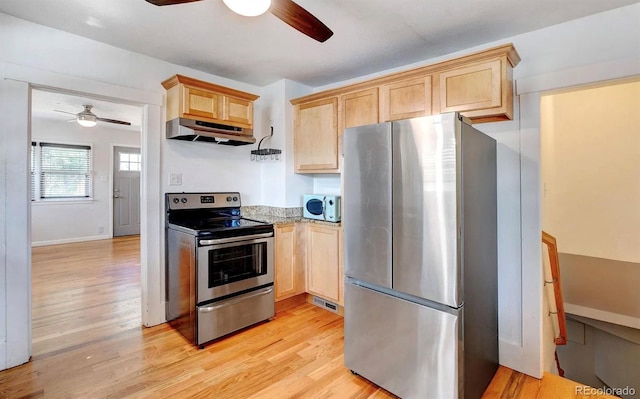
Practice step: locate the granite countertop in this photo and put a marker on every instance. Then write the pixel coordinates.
(277, 215)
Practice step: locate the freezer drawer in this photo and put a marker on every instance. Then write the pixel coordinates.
(224, 317)
(408, 349)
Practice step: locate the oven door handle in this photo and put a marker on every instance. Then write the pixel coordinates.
(211, 308)
(234, 239)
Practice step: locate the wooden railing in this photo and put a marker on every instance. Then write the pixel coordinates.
(550, 241)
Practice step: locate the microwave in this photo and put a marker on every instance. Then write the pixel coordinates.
(321, 207)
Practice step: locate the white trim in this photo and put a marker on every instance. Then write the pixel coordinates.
(587, 74)
(529, 91)
(15, 100)
(602, 315)
(69, 240)
(41, 79)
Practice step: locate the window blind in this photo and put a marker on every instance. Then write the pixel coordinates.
(65, 171)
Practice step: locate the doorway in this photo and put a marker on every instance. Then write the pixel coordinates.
(74, 223)
(589, 164)
(17, 85)
(127, 165)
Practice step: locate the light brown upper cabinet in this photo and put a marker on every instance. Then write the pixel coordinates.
(238, 110)
(359, 108)
(478, 85)
(482, 91)
(315, 139)
(406, 99)
(207, 102)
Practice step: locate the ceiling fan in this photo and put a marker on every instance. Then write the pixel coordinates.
(87, 118)
(286, 10)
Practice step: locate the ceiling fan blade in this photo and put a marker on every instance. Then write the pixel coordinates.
(65, 112)
(300, 19)
(114, 121)
(169, 2)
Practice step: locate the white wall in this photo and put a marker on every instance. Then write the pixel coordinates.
(591, 171)
(326, 184)
(280, 185)
(72, 221)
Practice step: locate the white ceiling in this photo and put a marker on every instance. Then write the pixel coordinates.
(369, 36)
(46, 104)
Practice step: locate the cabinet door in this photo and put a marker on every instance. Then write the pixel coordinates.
(289, 274)
(324, 277)
(406, 99)
(360, 108)
(316, 136)
(237, 110)
(470, 88)
(200, 103)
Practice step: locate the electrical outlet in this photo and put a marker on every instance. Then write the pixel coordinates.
(175, 179)
(100, 229)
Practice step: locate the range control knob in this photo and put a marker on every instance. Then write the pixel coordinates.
(235, 199)
(183, 200)
(229, 199)
(175, 200)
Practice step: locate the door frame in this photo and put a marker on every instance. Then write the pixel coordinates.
(112, 165)
(19, 80)
(527, 356)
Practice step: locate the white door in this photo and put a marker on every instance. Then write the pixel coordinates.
(126, 191)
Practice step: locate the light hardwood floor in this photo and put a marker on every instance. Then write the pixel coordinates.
(88, 343)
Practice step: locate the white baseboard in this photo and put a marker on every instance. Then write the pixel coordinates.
(69, 240)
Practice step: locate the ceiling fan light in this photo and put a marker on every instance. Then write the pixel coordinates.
(86, 120)
(248, 8)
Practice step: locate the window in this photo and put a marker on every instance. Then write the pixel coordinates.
(129, 162)
(60, 171)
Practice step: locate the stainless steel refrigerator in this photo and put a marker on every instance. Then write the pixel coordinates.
(421, 296)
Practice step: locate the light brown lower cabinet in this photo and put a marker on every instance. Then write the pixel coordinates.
(324, 262)
(289, 261)
(308, 258)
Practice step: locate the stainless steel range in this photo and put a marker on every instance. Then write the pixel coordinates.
(219, 268)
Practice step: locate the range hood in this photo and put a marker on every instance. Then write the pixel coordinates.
(192, 130)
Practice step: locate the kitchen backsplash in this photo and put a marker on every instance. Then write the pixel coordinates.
(271, 211)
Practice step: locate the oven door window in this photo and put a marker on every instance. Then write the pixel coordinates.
(236, 263)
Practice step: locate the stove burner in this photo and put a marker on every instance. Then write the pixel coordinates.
(210, 215)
